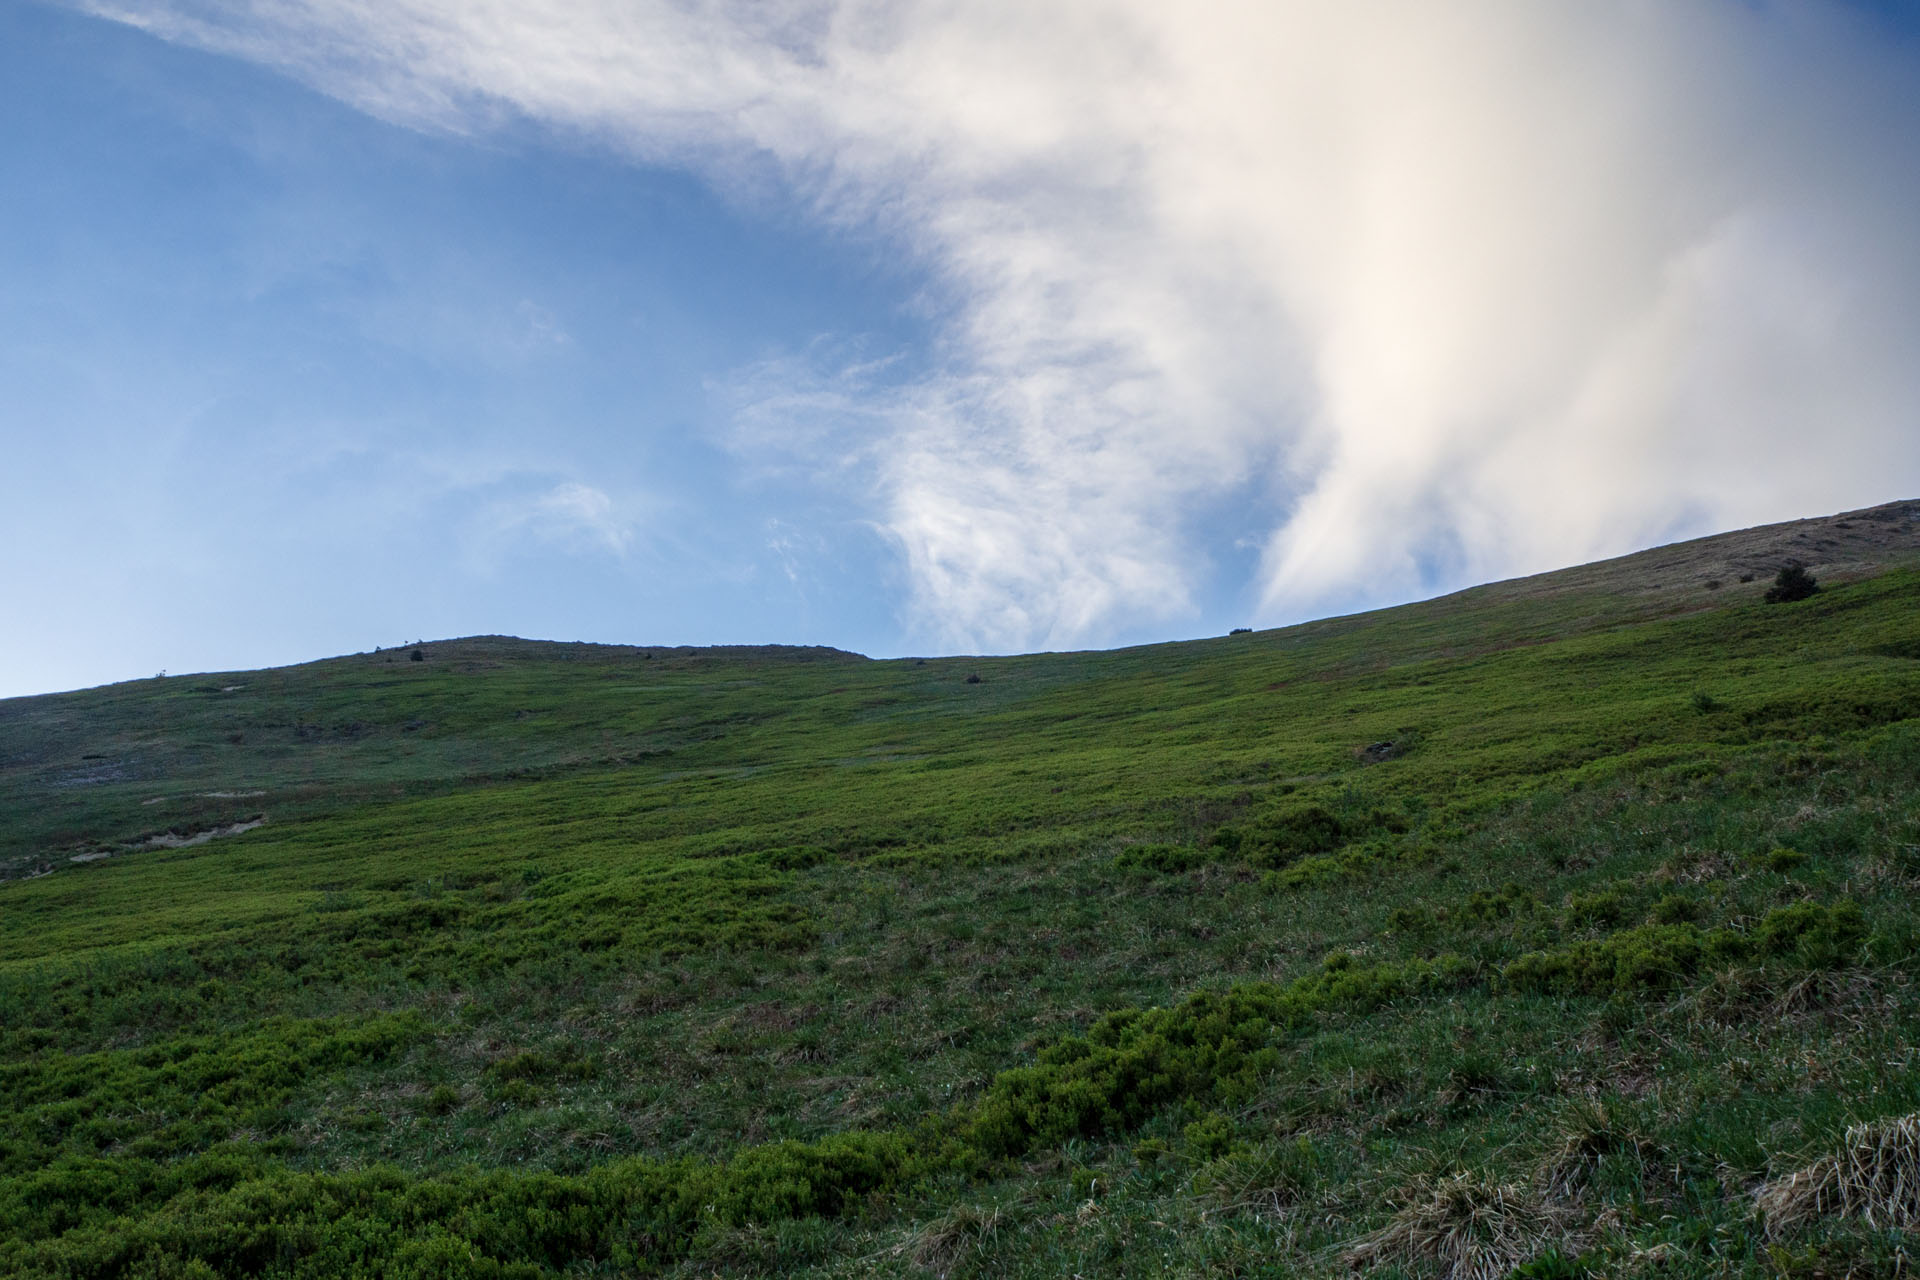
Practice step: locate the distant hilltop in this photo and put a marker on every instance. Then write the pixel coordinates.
(481, 650)
(1852, 544)
(1676, 576)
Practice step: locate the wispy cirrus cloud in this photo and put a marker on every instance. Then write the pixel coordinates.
(572, 512)
(1436, 293)
(566, 516)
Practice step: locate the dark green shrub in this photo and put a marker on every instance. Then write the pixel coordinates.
(1294, 833)
(1165, 859)
(532, 1065)
(1606, 907)
(1209, 1137)
(1649, 957)
(1409, 920)
(1784, 860)
(1350, 863)
(1820, 937)
(1676, 908)
(1488, 905)
(1792, 583)
(795, 858)
(1344, 984)
(1212, 1048)
(795, 1179)
(1654, 956)
(1227, 839)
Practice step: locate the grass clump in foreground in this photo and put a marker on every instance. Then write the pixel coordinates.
(1141, 963)
(1465, 1228)
(1874, 1177)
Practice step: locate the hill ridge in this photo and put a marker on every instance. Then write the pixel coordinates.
(1552, 933)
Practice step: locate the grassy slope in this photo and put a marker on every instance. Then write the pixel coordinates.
(632, 918)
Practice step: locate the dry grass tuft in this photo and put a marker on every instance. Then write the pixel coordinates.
(1855, 999)
(1592, 1132)
(1466, 1227)
(1266, 1183)
(1875, 1177)
(1740, 999)
(942, 1243)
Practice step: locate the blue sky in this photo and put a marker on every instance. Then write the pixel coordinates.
(911, 328)
(285, 380)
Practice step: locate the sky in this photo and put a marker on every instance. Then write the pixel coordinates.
(919, 326)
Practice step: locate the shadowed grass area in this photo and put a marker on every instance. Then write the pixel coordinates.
(1524, 931)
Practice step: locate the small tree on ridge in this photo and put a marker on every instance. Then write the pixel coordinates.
(1793, 583)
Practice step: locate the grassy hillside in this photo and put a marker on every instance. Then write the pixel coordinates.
(1550, 927)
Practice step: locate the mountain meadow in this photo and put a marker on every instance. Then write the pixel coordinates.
(1562, 927)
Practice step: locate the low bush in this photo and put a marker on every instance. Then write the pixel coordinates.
(1675, 908)
(639, 1215)
(1489, 905)
(1209, 1137)
(1784, 860)
(1213, 1048)
(1349, 863)
(1654, 956)
(1606, 907)
(1818, 937)
(1165, 859)
(1792, 583)
(1276, 838)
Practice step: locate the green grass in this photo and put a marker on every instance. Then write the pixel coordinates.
(571, 960)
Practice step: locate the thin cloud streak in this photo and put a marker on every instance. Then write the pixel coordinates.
(1454, 291)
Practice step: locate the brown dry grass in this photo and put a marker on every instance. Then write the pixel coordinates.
(1464, 1227)
(942, 1244)
(1589, 1133)
(1874, 1177)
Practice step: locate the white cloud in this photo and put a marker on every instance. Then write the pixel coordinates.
(570, 517)
(1470, 289)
